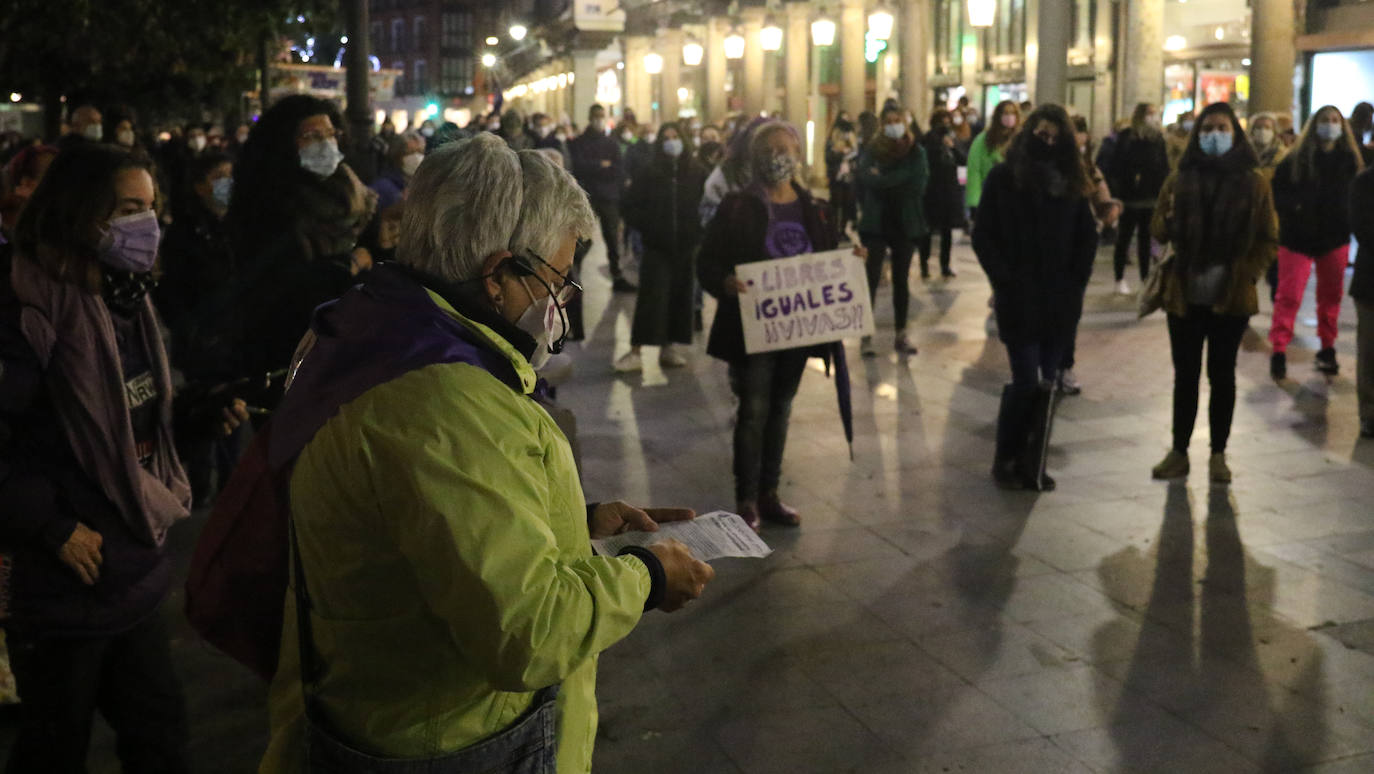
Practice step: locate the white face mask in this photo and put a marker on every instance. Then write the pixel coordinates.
(426, 131)
(1329, 131)
(94, 132)
(672, 148)
(894, 131)
(1263, 136)
(321, 157)
(544, 323)
(561, 137)
(125, 137)
(411, 162)
(956, 118)
(198, 143)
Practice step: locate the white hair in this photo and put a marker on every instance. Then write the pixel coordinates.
(555, 207)
(476, 197)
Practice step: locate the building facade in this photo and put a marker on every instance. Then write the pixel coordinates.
(434, 45)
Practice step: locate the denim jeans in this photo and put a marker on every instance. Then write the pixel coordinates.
(765, 385)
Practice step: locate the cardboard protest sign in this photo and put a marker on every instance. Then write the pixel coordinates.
(808, 299)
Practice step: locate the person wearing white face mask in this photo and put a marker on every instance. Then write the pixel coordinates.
(295, 220)
(85, 126)
(1269, 147)
(439, 528)
(404, 156)
(891, 173)
(1311, 187)
(661, 206)
(1217, 211)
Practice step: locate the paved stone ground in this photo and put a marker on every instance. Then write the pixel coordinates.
(923, 620)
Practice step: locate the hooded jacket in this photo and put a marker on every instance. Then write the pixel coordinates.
(443, 533)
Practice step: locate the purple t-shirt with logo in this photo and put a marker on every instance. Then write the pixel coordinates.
(786, 234)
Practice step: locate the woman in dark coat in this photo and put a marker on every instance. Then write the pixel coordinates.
(662, 205)
(774, 218)
(1139, 163)
(1035, 237)
(90, 482)
(294, 221)
(1362, 290)
(1218, 213)
(944, 202)
(891, 174)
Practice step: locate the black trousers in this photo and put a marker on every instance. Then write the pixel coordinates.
(901, 248)
(1222, 335)
(127, 677)
(608, 212)
(765, 384)
(1136, 220)
(923, 246)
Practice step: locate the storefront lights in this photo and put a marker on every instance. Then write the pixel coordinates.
(1175, 43)
(981, 12)
(823, 32)
(734, 45)
(518, 32)
(692, 52)
(880, 24)
(653, 63)
(770, 37)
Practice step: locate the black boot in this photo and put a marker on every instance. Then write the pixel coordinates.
(1037, 442)
(1278, 366)
(1012, 419)
(1326, 362)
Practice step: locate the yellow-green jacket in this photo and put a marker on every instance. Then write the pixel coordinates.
(444, 537)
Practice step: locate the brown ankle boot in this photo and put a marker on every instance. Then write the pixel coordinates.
(773, 510)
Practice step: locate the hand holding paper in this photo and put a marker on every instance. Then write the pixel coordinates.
(714, 535)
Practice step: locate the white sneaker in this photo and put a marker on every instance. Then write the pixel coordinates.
(1122, 289)
(1068, 383)
(629, 363)
(866, 348)
(669, 358)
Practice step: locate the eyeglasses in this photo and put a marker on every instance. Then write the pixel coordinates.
(567, 288)
(309, 137)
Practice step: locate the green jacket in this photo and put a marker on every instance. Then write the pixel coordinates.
(444, 535)
(980, 163)
(903, 180)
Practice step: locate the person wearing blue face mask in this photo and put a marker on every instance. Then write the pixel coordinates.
(662, 206)
(1310, 189)
(1217, 211)
(294, 220)
(90, 481)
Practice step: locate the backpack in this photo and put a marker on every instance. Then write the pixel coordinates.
(236, 587)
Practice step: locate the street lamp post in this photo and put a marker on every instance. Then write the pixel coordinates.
(822, 35)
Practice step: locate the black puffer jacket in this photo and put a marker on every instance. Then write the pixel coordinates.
(43, 494)
(1314, 217)
(662, 204)
(1138, 168)
(1038, 253)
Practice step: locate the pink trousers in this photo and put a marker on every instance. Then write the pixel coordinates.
(1294, 269)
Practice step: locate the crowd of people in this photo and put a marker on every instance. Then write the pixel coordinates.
(388, 309)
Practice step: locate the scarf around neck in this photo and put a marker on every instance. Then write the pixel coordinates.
(73, 336)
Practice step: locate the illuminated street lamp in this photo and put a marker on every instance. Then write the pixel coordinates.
(770, 37)
(488, 60)
(734, 45)
(981, 12)
(880, 24)
(692, 53)
(492, 40)
(823, 32)
(518, 32)
(653, 63)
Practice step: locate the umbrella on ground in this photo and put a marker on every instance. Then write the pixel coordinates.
(842, 393)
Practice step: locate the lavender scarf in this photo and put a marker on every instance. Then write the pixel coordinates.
(71, 332)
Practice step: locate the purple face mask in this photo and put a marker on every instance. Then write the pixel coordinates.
(130, 243)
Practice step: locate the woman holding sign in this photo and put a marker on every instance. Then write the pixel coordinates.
(1035, 237)
(773, 218)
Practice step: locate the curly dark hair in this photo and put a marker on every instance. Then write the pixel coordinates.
(268, 172)
(1065, 152)
(61, 225)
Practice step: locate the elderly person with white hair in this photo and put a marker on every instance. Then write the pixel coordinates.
(446, 610)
